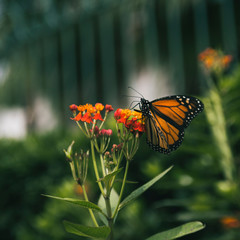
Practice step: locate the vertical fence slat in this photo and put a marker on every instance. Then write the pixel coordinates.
(50, 66)
(201, 25)
(89, 90)
(176, 70)
(77, 43)
(98, 57)
(201, 32)
(119, 54)
(69, 69)
(151, 37)
(42, 68)
(215, 31)
(127, 55)
(108, 59)
(228, 27)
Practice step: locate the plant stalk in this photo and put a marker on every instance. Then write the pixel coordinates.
(90, 210)
(96, 169)
(122, 189)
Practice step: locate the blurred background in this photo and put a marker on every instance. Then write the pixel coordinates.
(56, 53)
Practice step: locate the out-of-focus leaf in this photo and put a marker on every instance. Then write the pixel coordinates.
(136, 193)
(177, 232)
(92, 232)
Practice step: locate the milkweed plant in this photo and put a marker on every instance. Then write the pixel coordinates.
(108, 160)
(214, 64)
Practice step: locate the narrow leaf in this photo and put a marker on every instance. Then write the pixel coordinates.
(92, 232)
(178, 232)
(82, 203)
(136, 193)
(110, 176)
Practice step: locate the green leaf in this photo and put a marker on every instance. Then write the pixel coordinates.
(177, 232)
(85, 231)
(136, 193)
(82, 203)
(110, 176)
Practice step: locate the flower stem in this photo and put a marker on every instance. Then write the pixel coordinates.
(122, 189)
(110, 224)
(102, 164)
(96, 169)
(90, 210)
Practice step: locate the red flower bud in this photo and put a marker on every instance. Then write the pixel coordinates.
(106, 132)
(73, 107)
(108, 108)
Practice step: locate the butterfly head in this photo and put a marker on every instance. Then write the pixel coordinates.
(144, 106)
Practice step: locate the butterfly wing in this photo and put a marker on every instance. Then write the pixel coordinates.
(166, 120)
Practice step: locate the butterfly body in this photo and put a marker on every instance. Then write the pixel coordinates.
(166, 118)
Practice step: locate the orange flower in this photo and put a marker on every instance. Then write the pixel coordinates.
(99, 107)
(131, 119)
(81, 108)
(87, 112)
(98, 116)
(214, 60)
(78, 117)
(230, 222)
(90, 108)
(226, 60)
(87, 118)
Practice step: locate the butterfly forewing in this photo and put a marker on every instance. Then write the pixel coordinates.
(178, 110)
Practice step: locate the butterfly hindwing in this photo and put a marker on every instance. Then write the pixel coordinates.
(162, 139)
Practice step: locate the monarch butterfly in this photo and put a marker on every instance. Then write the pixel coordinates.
(166, 118)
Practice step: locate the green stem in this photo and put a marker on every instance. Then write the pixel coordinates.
(109, 214)
(90, 210)
(216, 118)
(96, 169)
(84, 132)
(110, 224)
(103, 120)
(118, 164)
(122, 189)
(102, 164)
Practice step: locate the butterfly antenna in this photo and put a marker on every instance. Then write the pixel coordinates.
(130, 107)
(130, 96)
(136, 91)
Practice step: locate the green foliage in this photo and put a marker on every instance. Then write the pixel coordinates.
(81, 203)
(114, 197)
(178, 232)
(136, 193)
(93, 232)
(194, 189)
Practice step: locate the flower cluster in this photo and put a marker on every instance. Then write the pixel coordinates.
(87, 113)
(214, 60)
(230, 222)
(78, 163)
(104, 132)
(104, 138)
(132, 120)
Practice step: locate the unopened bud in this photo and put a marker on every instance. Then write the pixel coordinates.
(68, 153)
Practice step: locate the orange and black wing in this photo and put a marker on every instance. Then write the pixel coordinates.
(167, 119)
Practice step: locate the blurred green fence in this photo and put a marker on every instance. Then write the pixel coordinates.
(87, 51)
